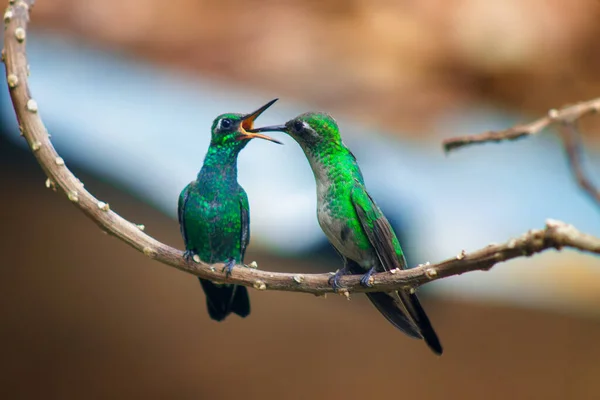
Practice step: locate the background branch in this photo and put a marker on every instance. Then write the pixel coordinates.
(572, 142)
(566, 115)
(555, 235)
(566, 118)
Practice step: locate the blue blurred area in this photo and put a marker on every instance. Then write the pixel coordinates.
(147, 129)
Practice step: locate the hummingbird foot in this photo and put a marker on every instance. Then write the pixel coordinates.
(366, 280)
(188, 255)
(334, 281)
(229, 267)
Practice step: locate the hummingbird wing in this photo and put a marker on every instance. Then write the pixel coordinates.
(245, 223)
(183, 198)
(386, 245)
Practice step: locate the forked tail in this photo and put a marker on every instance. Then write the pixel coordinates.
(225, 299)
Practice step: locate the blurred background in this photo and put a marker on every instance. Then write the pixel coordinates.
(128, 90)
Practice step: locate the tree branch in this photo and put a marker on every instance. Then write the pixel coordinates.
(572, 142)
(555, 235)
(566, 115)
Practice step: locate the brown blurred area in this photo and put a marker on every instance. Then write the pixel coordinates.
(388, 63)
(85, 316)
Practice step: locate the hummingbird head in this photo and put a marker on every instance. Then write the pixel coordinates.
(235, 130)
(312, 130)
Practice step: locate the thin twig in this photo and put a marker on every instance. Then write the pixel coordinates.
(555, 235)
(573, 148)
(564, 115)
(566, 118)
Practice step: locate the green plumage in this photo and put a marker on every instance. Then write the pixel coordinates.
(216, 211)
(214, 214)
(353, 222)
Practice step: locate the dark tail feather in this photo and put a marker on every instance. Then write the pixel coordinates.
(241, 301)
(222, 300)
(417, 313)
(394, 313)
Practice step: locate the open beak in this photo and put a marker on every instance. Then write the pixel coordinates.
(247, 131)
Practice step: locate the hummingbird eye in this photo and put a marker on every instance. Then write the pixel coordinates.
(226, 123)
(298, 125)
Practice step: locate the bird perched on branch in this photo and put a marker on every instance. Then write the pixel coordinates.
(353, 223)
(213, 211)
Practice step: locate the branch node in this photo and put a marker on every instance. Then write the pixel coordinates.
(59, 161)
(253, 265)
(8, 14)
(73, 196)
(20, 34)
(50, 184)
(298, 278)
(32, 106)
(141, 227)
(12, 81)
(553, 114)
(432, 272)
(461, 255)
(196, 258)
(103, 206)
(149, 252)
(259, 285)
(35, 146)
(395, 271)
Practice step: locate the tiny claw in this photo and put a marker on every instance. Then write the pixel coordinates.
(334, 281)
(229, 267)
(188, 255)
(366, 280)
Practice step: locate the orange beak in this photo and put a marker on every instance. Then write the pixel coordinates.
(248, 124)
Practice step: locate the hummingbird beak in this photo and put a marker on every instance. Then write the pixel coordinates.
(247, 124)
(272, 128)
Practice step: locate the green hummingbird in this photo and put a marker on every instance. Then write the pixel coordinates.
(353, 223)
(213, 211)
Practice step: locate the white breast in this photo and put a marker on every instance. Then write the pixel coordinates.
(333, 227)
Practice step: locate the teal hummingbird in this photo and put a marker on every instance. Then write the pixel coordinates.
(353, 222)
(213, 211)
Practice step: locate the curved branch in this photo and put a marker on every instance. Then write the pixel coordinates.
(554, 235)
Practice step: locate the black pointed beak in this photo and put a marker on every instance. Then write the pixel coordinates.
(272, 128)
(248, 123)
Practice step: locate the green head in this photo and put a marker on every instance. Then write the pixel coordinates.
(234, 130)
(315, 132)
